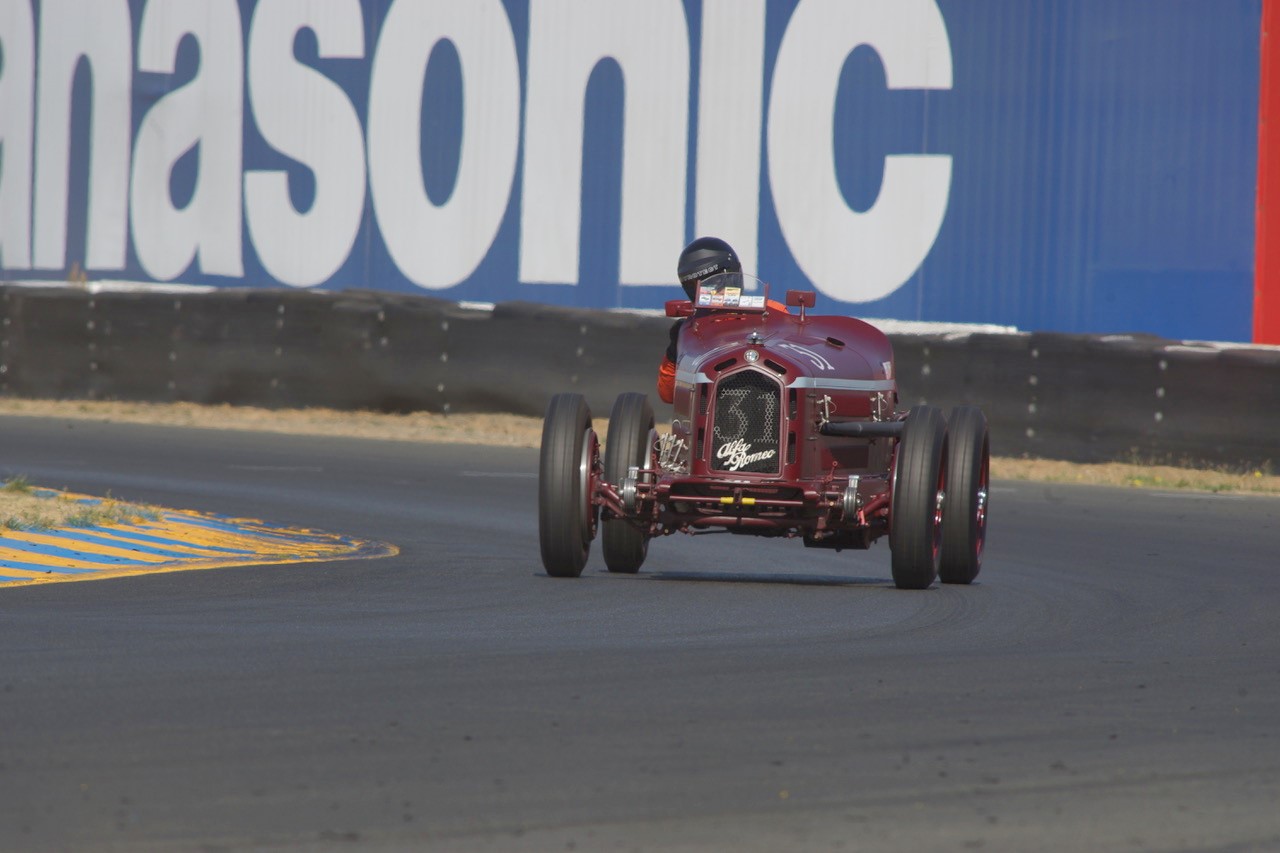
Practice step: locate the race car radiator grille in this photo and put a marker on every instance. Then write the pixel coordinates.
(745, 434)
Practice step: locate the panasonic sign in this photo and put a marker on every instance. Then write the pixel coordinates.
(699, 123)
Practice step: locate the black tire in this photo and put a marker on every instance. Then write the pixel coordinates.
(915, 517)
(964, 517)
(630, 424)
(566, 514)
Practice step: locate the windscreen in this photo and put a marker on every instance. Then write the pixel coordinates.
(731, 291)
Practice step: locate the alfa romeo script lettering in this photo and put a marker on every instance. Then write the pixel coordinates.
(738, 454)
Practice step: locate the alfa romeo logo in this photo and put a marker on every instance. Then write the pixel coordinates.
(738, 455)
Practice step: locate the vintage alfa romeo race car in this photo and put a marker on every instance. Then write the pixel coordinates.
(786, 425)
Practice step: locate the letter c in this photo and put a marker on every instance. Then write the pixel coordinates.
(853, 256)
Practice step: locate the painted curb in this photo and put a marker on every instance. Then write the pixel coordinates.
(177, 540)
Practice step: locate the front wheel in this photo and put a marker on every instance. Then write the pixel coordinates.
(915, 514)
(630, 437)
(964, 520)
(566, 512)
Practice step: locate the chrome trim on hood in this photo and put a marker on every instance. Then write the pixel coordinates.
(690, 377)
(844, 384)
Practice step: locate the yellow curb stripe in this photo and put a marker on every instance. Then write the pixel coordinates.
(248, 540)
(382, 550)
(71, 545)
(11, 555)
(119, 536)
(376, 549)
(189, 540)
(30, 574)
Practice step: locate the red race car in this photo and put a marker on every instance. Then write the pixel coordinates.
(785, 425)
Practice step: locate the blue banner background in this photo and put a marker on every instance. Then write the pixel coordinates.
(1103, 153)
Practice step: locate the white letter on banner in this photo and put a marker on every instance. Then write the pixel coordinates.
(567, 39)
(437, 246)
(730, 112)
(101, 32)
(851, 256)
(206, 113)
(17, 119)
(306, 116)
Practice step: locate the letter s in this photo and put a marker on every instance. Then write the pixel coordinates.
(306, 116)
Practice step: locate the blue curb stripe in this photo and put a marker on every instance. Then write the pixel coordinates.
(237, 529)
(127, 546)
(257, 531)
(173, 540)
(69, 554)
(37, 567)
(161, 540)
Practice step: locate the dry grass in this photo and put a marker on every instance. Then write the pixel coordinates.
(1136, 475)
(25, 507)
(494, 429)
(520, 431)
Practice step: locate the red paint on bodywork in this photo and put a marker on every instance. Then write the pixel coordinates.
(825, 367)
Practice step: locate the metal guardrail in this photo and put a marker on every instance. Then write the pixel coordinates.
(1082, 398)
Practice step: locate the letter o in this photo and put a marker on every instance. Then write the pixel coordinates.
(438, 246)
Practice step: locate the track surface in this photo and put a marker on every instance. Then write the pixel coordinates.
(1111, 683)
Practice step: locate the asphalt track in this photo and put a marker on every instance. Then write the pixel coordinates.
(1111, 683)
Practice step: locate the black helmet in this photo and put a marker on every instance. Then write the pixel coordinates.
(703, 257)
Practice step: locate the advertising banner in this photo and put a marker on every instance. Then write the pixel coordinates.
(1087, 166)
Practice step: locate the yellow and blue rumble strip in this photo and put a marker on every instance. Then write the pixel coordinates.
(175, 540)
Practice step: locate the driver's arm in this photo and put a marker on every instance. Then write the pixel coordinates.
(667, 370)
(667, 381)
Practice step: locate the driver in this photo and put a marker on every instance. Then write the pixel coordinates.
(705, 256)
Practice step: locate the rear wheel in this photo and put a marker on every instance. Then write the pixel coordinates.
(630, 436)
(964, 519)
(566, 513)
(915, 515)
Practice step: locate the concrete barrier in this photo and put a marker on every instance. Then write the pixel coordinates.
(1083, 398)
